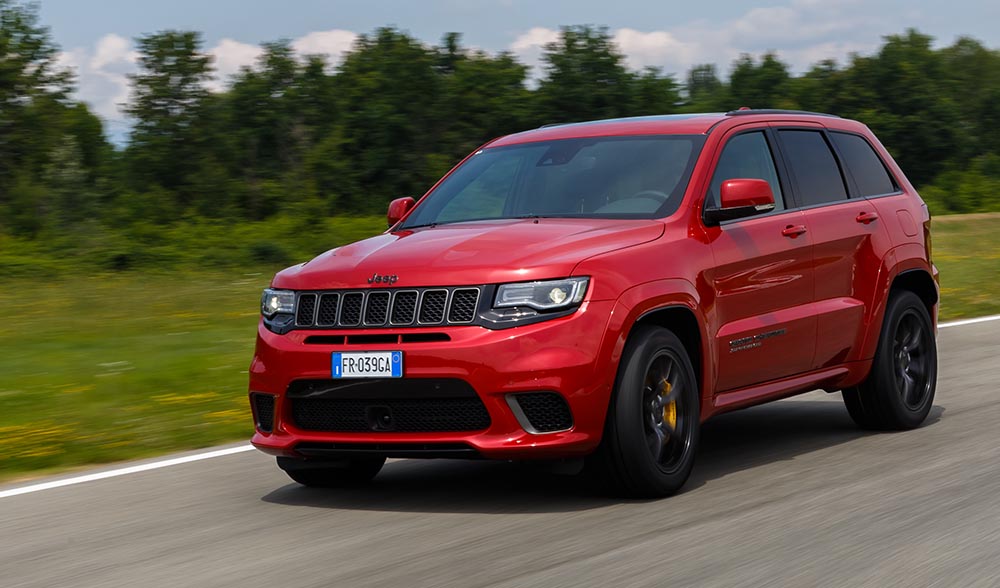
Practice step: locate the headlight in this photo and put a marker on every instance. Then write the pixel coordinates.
(544, 296)
(277, 302)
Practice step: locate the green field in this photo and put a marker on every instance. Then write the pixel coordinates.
(967, 253)
(107, 367)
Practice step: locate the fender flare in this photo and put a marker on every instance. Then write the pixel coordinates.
(643, 300)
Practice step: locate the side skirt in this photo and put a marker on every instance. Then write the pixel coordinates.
(829, 379)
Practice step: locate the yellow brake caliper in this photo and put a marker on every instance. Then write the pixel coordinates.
(670, 410)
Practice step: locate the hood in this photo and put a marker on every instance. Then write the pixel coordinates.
(481, 252)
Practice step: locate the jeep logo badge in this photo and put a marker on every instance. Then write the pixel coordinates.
(377, 279)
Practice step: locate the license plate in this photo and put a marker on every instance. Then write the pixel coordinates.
(368, 364)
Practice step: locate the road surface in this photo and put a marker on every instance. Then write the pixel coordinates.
(788, 494)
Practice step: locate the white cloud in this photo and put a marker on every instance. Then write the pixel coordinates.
(102, 70)
(529, 45)
(657, 49)
(332, 44)
(228, 56)
(102, 74)
(113, 52)
(535, 38)
(801, 32)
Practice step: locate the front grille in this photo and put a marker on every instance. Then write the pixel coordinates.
(388, 308)
(263, 409)
(356, 416)
(545, 411)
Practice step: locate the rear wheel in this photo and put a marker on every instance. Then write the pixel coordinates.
(350, 472)
(652, 425)
(899, 391)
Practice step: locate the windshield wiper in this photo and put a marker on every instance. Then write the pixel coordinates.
(407, 227)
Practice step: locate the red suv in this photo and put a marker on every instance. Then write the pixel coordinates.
(600, 289)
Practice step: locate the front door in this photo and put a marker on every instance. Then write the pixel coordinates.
(763, 277)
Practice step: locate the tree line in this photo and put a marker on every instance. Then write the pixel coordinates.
(291, 136)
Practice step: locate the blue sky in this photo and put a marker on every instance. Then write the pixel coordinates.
(96, 37)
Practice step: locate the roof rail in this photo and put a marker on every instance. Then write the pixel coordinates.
(747, 111)
(550, 125)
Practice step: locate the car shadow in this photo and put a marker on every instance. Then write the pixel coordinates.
(729, 443)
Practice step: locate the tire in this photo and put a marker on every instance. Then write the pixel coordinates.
(899, 391)
(340, 474)
(649, 443)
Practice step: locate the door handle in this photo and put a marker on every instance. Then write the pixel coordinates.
(867, 218)
(793, 231)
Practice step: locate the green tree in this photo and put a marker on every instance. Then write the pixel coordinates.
(388, 97)
(760, 85)
(654, 93)
(483, 98)
(705, 91)
(168, 94)
(32, 94)
(585, 78)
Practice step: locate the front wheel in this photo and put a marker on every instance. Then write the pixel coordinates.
(351, 472)
(899, 390)
(652, 427)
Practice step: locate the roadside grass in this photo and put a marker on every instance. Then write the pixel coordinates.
(966, 250)
(103, 367)
(112, 367)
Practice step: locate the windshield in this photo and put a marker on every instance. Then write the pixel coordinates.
(601, 177)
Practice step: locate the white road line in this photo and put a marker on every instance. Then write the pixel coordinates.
(972, 321)
(155, 465)
(145, 467)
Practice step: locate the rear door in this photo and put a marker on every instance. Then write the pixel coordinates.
(763, 276)
(847, 235)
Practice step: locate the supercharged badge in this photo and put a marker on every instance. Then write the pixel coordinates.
(752, 342)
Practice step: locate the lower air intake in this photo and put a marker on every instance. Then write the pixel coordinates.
(545, 412)
(263, 410)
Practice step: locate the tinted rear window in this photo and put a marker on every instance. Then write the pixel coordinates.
(864, 165)
(817, 175)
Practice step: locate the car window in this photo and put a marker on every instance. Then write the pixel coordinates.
(589, 177)
(866, 168)
(817, 175)
(745, 156)
(485, 196)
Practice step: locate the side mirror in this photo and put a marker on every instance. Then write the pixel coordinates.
(398, 209)
(741, 197)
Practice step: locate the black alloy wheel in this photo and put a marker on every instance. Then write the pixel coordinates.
(652, 426)
(899, 391)
(668, 430)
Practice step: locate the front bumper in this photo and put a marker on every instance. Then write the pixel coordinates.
(570, 356)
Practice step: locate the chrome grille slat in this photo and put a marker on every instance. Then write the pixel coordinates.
(463, 305)
(416, 307)
(327, 314)
(306, 313)
(404, 307)
(432, 307)
(350, 309)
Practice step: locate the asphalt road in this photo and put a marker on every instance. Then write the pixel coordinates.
(788, 494)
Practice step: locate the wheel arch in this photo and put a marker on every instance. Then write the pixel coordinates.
(920, 282)
(681, 321)
(906, 269)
